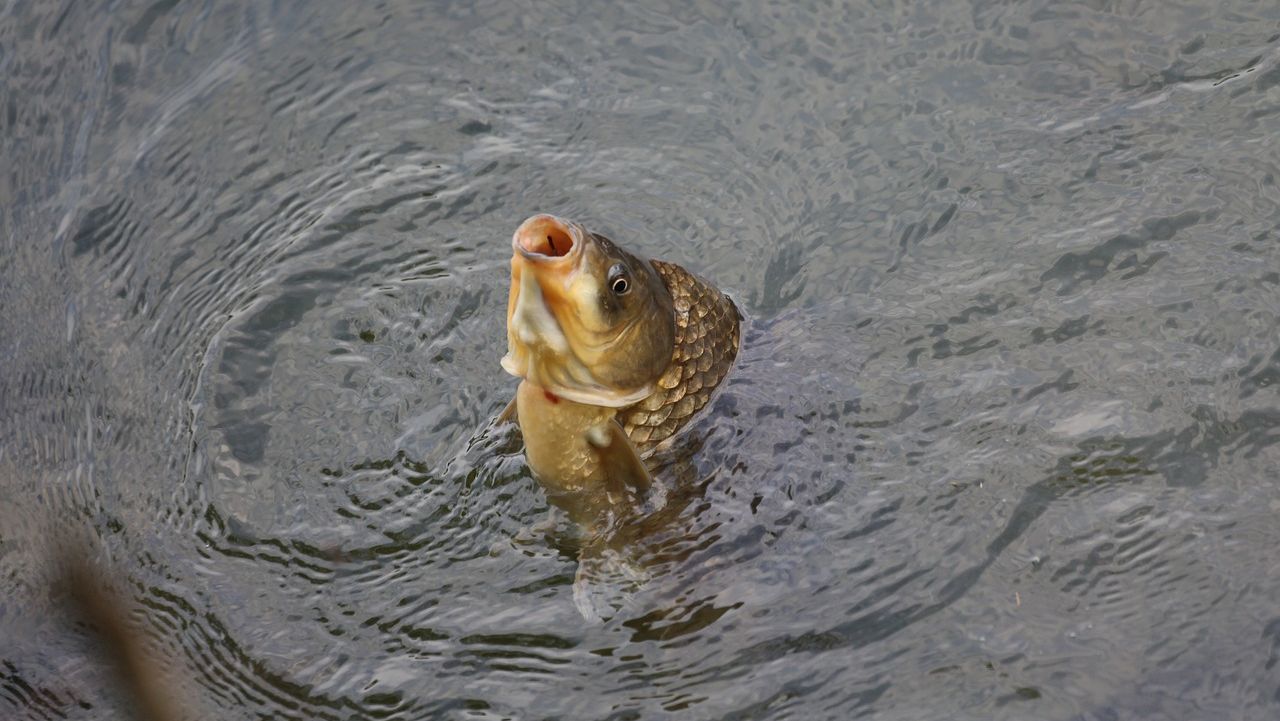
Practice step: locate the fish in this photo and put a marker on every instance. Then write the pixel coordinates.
(615, 354)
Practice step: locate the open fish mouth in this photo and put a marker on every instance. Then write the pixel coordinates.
(548, 240)
(543, 338)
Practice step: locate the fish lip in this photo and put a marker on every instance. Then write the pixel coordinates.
(532, 325)
(530, 241)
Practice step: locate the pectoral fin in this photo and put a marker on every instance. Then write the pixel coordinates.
(508, 414)
(622, 465)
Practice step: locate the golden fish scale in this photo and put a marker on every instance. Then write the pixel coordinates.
(706, 343)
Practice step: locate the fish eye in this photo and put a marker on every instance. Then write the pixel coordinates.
(618, 281)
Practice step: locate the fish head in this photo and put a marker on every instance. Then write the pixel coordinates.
(586, 320)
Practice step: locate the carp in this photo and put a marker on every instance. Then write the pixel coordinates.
(616, 353)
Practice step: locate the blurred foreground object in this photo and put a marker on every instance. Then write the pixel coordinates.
(121, 645)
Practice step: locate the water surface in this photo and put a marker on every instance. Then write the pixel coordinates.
(1001, 443)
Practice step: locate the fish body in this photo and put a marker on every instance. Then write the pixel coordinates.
(616, 353)
(555, 437)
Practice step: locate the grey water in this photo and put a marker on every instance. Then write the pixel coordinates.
(1001, 442)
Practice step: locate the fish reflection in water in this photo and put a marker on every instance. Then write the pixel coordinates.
(616, 354)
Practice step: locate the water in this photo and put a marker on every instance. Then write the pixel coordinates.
(1001, 444)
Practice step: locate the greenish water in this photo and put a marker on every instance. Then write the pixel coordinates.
(1001, 443)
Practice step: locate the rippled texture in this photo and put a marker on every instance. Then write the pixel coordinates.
(1001, 442)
